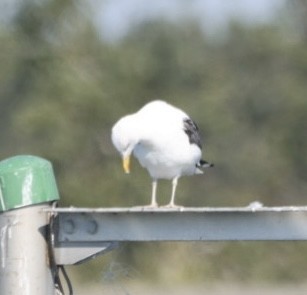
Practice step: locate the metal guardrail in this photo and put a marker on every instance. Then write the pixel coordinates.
(182, 224)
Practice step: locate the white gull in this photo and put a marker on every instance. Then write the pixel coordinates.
(164, 139)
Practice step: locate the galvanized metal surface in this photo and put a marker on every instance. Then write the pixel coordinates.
(67, 253)
(253, 207)
(181, 224)
(24, 267)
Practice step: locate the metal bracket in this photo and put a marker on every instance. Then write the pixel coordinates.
(76, 252)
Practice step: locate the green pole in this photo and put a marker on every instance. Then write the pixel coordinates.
(27, 188)
(26, 180)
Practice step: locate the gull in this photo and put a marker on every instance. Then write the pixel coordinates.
(164, 139)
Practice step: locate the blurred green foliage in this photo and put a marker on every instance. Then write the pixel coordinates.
(62, 87)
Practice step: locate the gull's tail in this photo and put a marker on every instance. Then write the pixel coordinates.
(202, 164)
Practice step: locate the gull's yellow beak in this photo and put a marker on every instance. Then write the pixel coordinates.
(126, 164)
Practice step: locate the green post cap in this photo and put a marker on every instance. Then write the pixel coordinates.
(26, 180)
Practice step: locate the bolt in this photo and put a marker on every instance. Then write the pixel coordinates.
(92, 227)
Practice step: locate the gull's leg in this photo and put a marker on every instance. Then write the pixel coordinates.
(153, 203)
(154, 194)
(174, 186)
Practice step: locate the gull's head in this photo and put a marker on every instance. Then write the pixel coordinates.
(125, 138)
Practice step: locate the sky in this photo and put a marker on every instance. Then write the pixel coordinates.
(114, 17)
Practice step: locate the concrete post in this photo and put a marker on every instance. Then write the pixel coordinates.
(27, 186)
